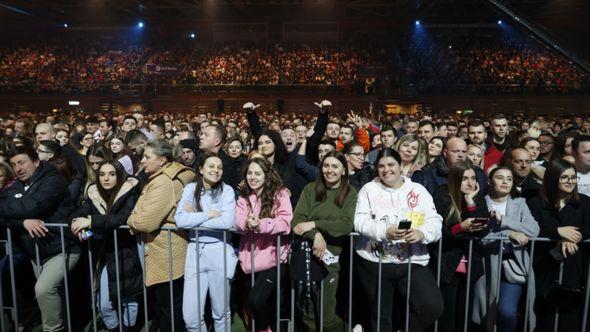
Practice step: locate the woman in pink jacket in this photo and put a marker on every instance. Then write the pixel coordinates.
(264, 214)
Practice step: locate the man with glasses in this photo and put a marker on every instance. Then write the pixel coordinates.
(547, 141)
(46, 132)
(519, 160)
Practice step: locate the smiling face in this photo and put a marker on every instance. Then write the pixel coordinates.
(501, 182)
(332, 172)
(568, 181)
(107, 176)
(212, 171)
(255, 177)
(266, 146)
(389, 172)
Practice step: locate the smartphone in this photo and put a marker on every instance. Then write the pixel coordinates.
(404, 224)
(481, 220)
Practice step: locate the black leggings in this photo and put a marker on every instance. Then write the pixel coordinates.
(164, 313)
(261, 299)
(425, 299)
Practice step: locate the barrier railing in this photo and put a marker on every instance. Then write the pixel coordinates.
(63, 228)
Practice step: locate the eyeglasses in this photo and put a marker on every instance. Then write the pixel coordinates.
(566, 179)
(357, 154)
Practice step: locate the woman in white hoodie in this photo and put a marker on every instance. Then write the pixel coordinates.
(382, 204)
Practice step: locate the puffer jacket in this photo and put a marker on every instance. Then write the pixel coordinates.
(103, 224)
(155, 209)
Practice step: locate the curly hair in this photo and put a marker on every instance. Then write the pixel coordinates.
(270, 188)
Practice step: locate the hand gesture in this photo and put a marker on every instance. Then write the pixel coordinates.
(319, 246)
(35, 227)
(468, 225)
(518, 238)
(249, 106)
(304, 227)
(469, 197)
(570, 233)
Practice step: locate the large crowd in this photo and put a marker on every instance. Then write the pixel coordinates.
(489, 63)
(439, 61)
(233, 209)
(274, 64)
(66, 66)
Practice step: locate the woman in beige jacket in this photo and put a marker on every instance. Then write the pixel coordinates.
(164, 264)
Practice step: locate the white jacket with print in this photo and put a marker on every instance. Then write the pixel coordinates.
(379, 207)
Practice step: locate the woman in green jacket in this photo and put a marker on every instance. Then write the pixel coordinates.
(322, 220)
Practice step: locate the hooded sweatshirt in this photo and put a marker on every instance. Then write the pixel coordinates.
(379, 207)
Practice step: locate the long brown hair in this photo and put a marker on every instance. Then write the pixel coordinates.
(109, 195)
(200, 187)
(270, 188)
(455, 179)
(550, 189)
(320, 182)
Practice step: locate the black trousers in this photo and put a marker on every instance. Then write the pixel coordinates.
(426, 303)
(164, 312)
(262, 297)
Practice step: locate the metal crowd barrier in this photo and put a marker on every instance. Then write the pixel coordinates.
(290, 320)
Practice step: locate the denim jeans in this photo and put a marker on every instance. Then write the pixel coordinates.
(129, 307)
(508, 306)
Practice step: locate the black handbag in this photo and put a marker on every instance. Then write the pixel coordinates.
(304, 266)
(566, 298)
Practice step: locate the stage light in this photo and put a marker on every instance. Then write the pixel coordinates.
(65, 25)
(417, 22)
(140, 24)
(499, 22)
(450, 46)
(192, 35)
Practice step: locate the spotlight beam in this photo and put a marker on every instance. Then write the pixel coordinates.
(551, 42)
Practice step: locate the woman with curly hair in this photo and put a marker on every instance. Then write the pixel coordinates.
(263, 212)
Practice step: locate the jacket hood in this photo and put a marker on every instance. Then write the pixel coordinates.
(175, 170)
(98, 201)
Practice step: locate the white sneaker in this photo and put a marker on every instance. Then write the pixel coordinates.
(357, 328)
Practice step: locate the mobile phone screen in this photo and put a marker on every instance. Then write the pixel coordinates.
(404, 224)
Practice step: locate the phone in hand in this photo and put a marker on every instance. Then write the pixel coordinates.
(481, 221)
(404, 224)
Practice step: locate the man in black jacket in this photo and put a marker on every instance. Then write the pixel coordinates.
(39, 198)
